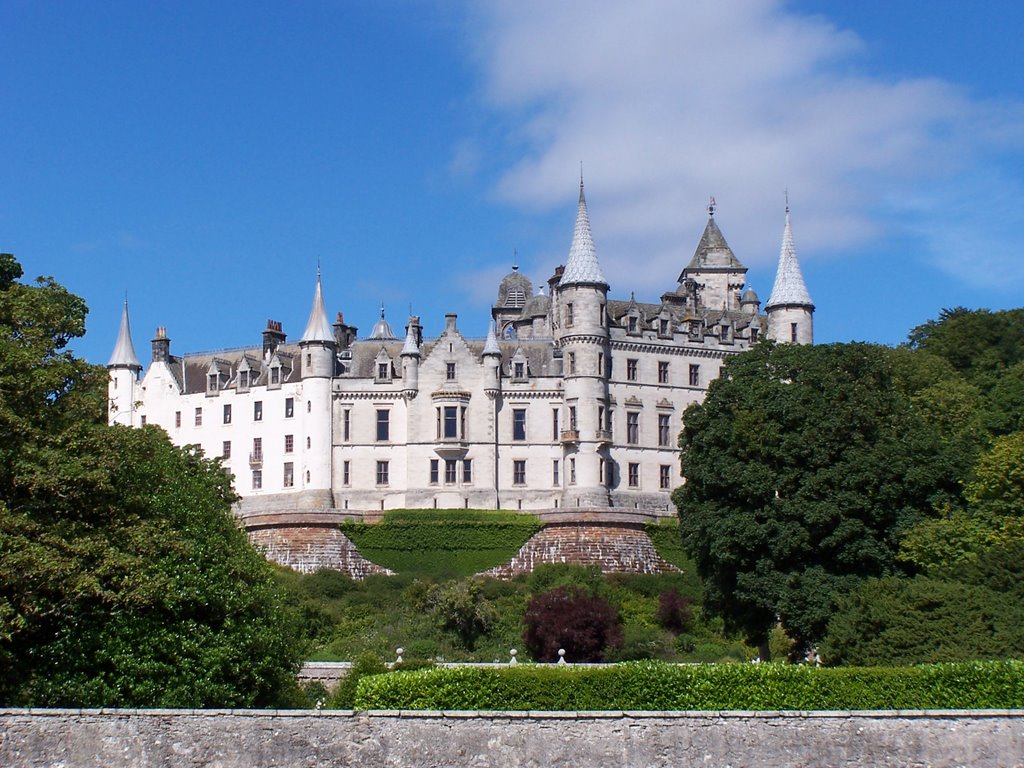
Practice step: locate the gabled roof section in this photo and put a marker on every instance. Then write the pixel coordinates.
(319, 327)
(582, 267)
(713, 252)
(124, 355)
(789, 285)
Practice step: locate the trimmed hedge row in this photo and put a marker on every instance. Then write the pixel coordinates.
(658, 686)
(451, 542)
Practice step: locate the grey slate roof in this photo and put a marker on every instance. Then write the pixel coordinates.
(382, 329)
(582, 266)
(789, 285)
(713, 252)
(124, 355)
(319, 327)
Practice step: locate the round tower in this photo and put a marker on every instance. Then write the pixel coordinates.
(317, 351)
(123, 381)
(411, 359)
(790, 309)
(583, 337)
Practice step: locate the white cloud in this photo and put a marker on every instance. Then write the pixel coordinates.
(667, 103)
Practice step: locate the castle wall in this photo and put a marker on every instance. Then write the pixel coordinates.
(301, 739)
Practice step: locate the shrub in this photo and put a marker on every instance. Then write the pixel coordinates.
(570, 618)
(675, 612)
(345, 694)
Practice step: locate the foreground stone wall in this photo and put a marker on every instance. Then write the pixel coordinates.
(236, 739)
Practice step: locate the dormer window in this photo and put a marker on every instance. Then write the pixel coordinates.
(212, 382)
(382, 371)
(519, 371)
(663, 327)
(695, 329)
(275, 375)
(631, 325)
(753, 335)
(724, 335)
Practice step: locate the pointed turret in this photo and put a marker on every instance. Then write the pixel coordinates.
(582, 267)
(714, 277)
(492, 361)
(411, 347)
(789, 308)
(491, 345)
(124, 351)
(319, 327)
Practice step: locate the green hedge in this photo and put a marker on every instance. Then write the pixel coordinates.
(443, 542)
(657, 686)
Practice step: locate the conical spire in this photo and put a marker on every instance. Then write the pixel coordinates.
(491, 345)
(582, 265)
(789, 288)
(410, 347)
(124, 351)
(319, 327)
(712, 252)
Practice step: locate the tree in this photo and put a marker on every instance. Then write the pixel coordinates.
(997, 488)
(803, 467)
(569, 617)
(124, 580)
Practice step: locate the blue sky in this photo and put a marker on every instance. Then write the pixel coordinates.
(203, 156)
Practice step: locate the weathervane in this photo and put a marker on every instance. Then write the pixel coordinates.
(711, 206)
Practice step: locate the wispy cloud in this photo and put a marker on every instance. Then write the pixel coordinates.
(667, 103)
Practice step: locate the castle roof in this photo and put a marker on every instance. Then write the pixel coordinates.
(491, 345)
(789, 285)
(382, 329)
(713, 252)
(124, 355)
(515, 289)
(410, 347)
(319, 327)
(582, 267)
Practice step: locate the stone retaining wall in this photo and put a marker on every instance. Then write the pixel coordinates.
(240, 739)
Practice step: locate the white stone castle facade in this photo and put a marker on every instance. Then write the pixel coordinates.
(573, 401)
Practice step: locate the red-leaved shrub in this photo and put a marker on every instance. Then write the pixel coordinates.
(570, 618)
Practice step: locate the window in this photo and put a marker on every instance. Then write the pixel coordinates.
(792, 332)
(600, 363)
(142, 419)
(753, 335)
(518, 423)
(663, 326)
(450, 471)
(243, 380)
(554, 424)
(572, 470)
(519, 370)
(694, 375)
(632, 427)
(449, 371)
(177, 419)
(257, 450)
(383, 371)
(257, 410)
(346, 472)
(346, 425)
(600, 315)
(664, 421)
(519, 472)
(724, 333)
(309, 406)
(289, 407)
(665, 477)
(199, 417)
(632, 324)
(275, 375)
(434, 475)
(382, 473)
(467, 471)
(225, 450)
(227, 413)
(450, 425)
(212, 380)
(257, 479)
(383, 425)
(289, 474)
(572, 362)
(554, 472)
(634, 475)
(572, 417)
(600, 417)
(309, 443)
(568, 314)
(289, 443)
(663, 372)
(631, 369)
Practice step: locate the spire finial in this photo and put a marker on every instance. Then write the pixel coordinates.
(382, 310)
(515, 260)
(711, 206)
(318, 268)
(787, 199)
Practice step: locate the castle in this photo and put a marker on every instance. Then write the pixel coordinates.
(572, 403)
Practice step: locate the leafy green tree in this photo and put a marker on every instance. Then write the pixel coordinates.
(463, 608)
(997, 488)
(124, 580)
(803, 467)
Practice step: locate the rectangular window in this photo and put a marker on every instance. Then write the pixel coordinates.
(519, 472)
(519, 371)
(289, 407)
(451, 422)
(257, 449)
(225, 450)
(142, 419)
(665, 477)
(600, 363)
(572, 470)
(753, 335)
(451, 471)
(663, 326)
(518, 423)
(554, 424)
(434, 474)
(792, 332)
(572, 417)
(383, 425)
(243, 380)
(275, 375)
(346, 472)
(634, 475)
(554, 472)
(177, 419)
(632, 325)
(383, 371)
(199, 417)
(289, 443)
(633, 427)
(694, 375)
(664, 429)
(663, 372)
(382, 473)
(213, 380)
(227, 413)
(289, 474)
(257, 479)
(572, 362)
(257, 410)
(631, 370)
(346, 425)
(449, 371)
(467, 471)
(568, 314)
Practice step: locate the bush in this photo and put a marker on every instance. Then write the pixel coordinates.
(345, 694)
(657, 686)
(570, 618)
(674, 612)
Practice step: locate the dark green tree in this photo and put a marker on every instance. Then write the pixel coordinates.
(803, 466)
(124, 580)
